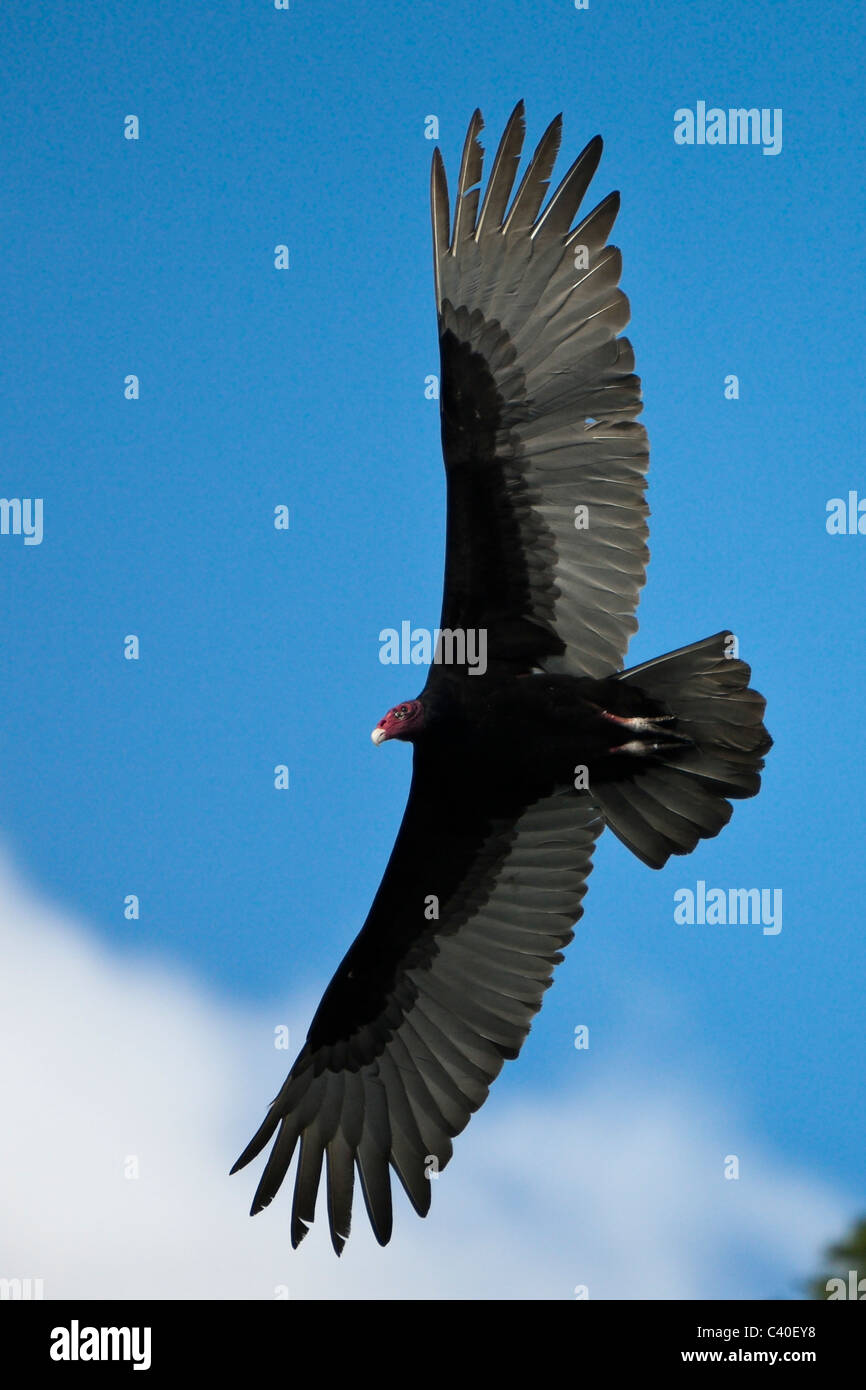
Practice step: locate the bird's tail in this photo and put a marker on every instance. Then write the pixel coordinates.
(678, 795)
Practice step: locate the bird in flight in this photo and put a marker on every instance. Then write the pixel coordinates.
(519, 766)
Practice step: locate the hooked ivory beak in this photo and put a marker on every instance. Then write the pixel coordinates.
(378, 736)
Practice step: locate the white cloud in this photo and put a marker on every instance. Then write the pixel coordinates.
(616, 1186)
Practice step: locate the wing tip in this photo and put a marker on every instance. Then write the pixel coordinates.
(258, 1141)
(298, 1231)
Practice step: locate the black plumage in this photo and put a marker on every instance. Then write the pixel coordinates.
(545, 554)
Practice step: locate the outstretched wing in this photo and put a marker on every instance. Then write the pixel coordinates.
(439, 988)
(546, 540)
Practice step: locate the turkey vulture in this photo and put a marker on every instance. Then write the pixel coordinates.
(519, 766)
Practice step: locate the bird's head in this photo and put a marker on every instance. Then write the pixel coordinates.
(403, 721)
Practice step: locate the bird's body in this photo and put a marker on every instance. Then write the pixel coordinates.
(517, 767)
(480, 727)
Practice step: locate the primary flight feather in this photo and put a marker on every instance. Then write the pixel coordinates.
(517, 767)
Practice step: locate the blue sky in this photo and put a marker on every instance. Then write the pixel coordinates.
(306, 387)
